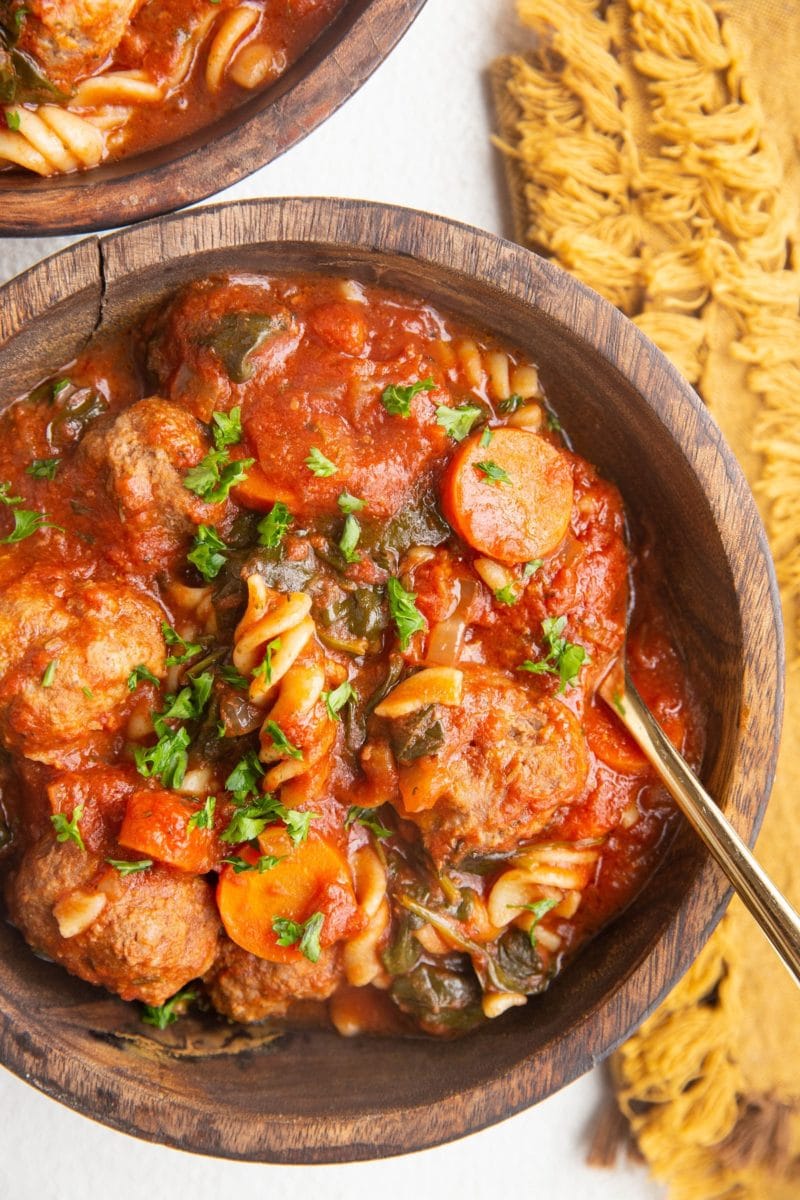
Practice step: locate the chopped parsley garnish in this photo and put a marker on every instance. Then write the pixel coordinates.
(368, 818)
(563, 658)
(349, 539)
(486, 438)
(244, 779)
(208, 552)
(167, 760)
(88, 693)
(43, 468)
(12, 119)
(506, 595)
(188, 704)
(350, 504)
(204, 817)
(336, 699)
(257, 810)
(251, 820)
(405, 614)
(319, 465)
(233, 676)
(264, 668)
(226, 428)
(5, 498)
(297, 823)
(140, 673)
(125, 867)
(307, 934)
(511, 403)
(280, 740)
(266, 862)
(49, 673)
(457, 422)
(187, 649)
(616, 700)
(493, 473)
(162, 1015)
(272, 529)
(539, 908)
(396, 398)
(215, 475)
(68, 831)
(532, 567)
(553, 423)
(26, 522)
(59, 386)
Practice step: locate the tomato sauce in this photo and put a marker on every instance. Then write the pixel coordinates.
(266, 710)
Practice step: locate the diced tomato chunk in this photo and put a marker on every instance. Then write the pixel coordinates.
(156, 825)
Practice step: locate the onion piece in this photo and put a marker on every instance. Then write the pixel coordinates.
(447, 637)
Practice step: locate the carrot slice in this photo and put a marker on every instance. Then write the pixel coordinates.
(312, 877)
(612, 744)
(510, 499)
(258, 491)
(156, 824)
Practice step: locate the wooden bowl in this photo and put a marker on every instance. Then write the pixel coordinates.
(214, 157)
(312, 1096)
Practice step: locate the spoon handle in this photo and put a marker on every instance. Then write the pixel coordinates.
(774, 914)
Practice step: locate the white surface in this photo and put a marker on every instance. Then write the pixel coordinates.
(416, 134)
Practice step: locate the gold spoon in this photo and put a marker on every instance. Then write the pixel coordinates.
(772, 911)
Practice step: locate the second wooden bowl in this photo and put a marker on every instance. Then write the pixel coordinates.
(313, 1096)
(244, 139)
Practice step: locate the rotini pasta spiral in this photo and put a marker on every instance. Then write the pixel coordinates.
(360, 956)
(48, 139)
(275, 639)
(555, 871)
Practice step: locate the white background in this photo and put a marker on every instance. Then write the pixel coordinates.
(417, 134)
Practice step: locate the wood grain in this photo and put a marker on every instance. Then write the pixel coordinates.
(244, 139)
(310, 1096)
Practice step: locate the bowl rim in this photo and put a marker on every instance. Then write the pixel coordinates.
(328, 225)
(203, 163)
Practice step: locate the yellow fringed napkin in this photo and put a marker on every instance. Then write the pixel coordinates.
(652, 150)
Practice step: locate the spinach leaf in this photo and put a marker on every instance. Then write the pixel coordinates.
(404, 952)
(517, 964)
(368, 615)
(280, 572)
(21, 79)
(74, 413)
(237, 336)
(417, 735)
(441, 998)
(419, 524)
(392, 678)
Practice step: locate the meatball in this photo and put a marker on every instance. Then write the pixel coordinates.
(143, 455)
(65, 665)
(246, 988)
(217, 335)
(497, 767)
(69, 38)
(31, 610)
(143, 936)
